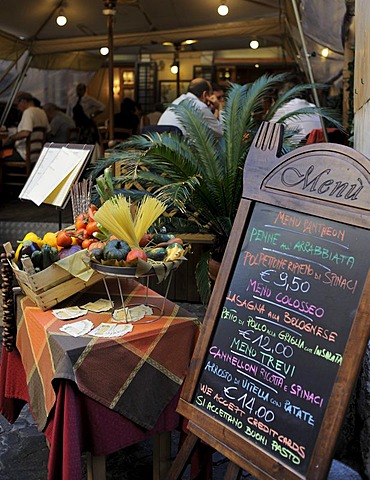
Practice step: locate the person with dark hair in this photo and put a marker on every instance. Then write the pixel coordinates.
(32, 117)
(127, 117)
(218, 100)
(199, 93)
(91, 106)
(83, 108)
(60, 124)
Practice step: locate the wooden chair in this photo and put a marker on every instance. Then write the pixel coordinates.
(103, 138)
(161, 129)
(120, 134)
(17, 172)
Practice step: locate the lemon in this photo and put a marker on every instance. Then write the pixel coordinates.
(34, 238)
(29, 236)
(50, 238)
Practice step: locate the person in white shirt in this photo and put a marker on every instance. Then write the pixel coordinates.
(153, 117)
(200, 93)
(302, 124)
(83, 108)
(32, 117)
(90, 105)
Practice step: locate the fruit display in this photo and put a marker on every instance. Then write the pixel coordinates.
(130, 241)
(118, 253)
(116, 234)
(53, 246)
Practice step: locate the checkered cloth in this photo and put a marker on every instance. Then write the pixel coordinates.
(136, 375)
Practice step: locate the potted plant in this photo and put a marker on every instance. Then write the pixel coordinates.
(197, 175)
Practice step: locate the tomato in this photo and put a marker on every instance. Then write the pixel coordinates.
(64, 239)
(92, 211)
(87, 242)
(135, 254)
(81, 234)
(92, 227)
(81, 221)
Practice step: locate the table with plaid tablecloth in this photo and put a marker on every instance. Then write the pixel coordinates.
(98, 394)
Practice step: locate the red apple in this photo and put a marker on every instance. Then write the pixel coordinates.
(135, 254)
(145, 239)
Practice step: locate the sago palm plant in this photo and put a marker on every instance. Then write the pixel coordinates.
(199, 176)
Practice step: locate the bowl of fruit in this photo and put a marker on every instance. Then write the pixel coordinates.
(126, 248)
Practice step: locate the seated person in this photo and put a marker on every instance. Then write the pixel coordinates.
(60, 123)
(126, 118)
(302, 124)
(200, 93)
(32, 117)
(84, 108)
(153, 117)
(218, 100)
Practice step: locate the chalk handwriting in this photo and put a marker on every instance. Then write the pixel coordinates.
(330, 356)
(316, 330)
(299, 413)
(310, 227)
(334, 280)
(307, 395)
(259, 235)
(268, 430)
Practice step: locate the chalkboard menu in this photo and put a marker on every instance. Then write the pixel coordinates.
(282, 330)
(287, 324)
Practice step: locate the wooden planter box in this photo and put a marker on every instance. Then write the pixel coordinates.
(50, 286)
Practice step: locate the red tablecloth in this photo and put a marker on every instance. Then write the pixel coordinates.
(67, 382)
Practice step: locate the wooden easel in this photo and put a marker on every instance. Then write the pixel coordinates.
(298, 215)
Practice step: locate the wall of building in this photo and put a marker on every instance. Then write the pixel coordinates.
(361, 78)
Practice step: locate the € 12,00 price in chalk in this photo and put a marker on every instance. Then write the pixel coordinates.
(280, 336)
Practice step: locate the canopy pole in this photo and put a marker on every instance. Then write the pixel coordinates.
(6, 71)
(15, 88)
(110, 78)
(309, 68)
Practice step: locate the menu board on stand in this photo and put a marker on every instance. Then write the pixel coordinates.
(58, 167)
(287, 324)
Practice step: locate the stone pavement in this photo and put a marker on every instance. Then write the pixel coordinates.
(24, 456)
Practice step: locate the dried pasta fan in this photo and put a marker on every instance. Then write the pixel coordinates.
(129, 222)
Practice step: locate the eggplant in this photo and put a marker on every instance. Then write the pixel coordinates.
(28, 247)
(67, 251)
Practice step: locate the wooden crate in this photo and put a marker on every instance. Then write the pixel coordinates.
(50, 286)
